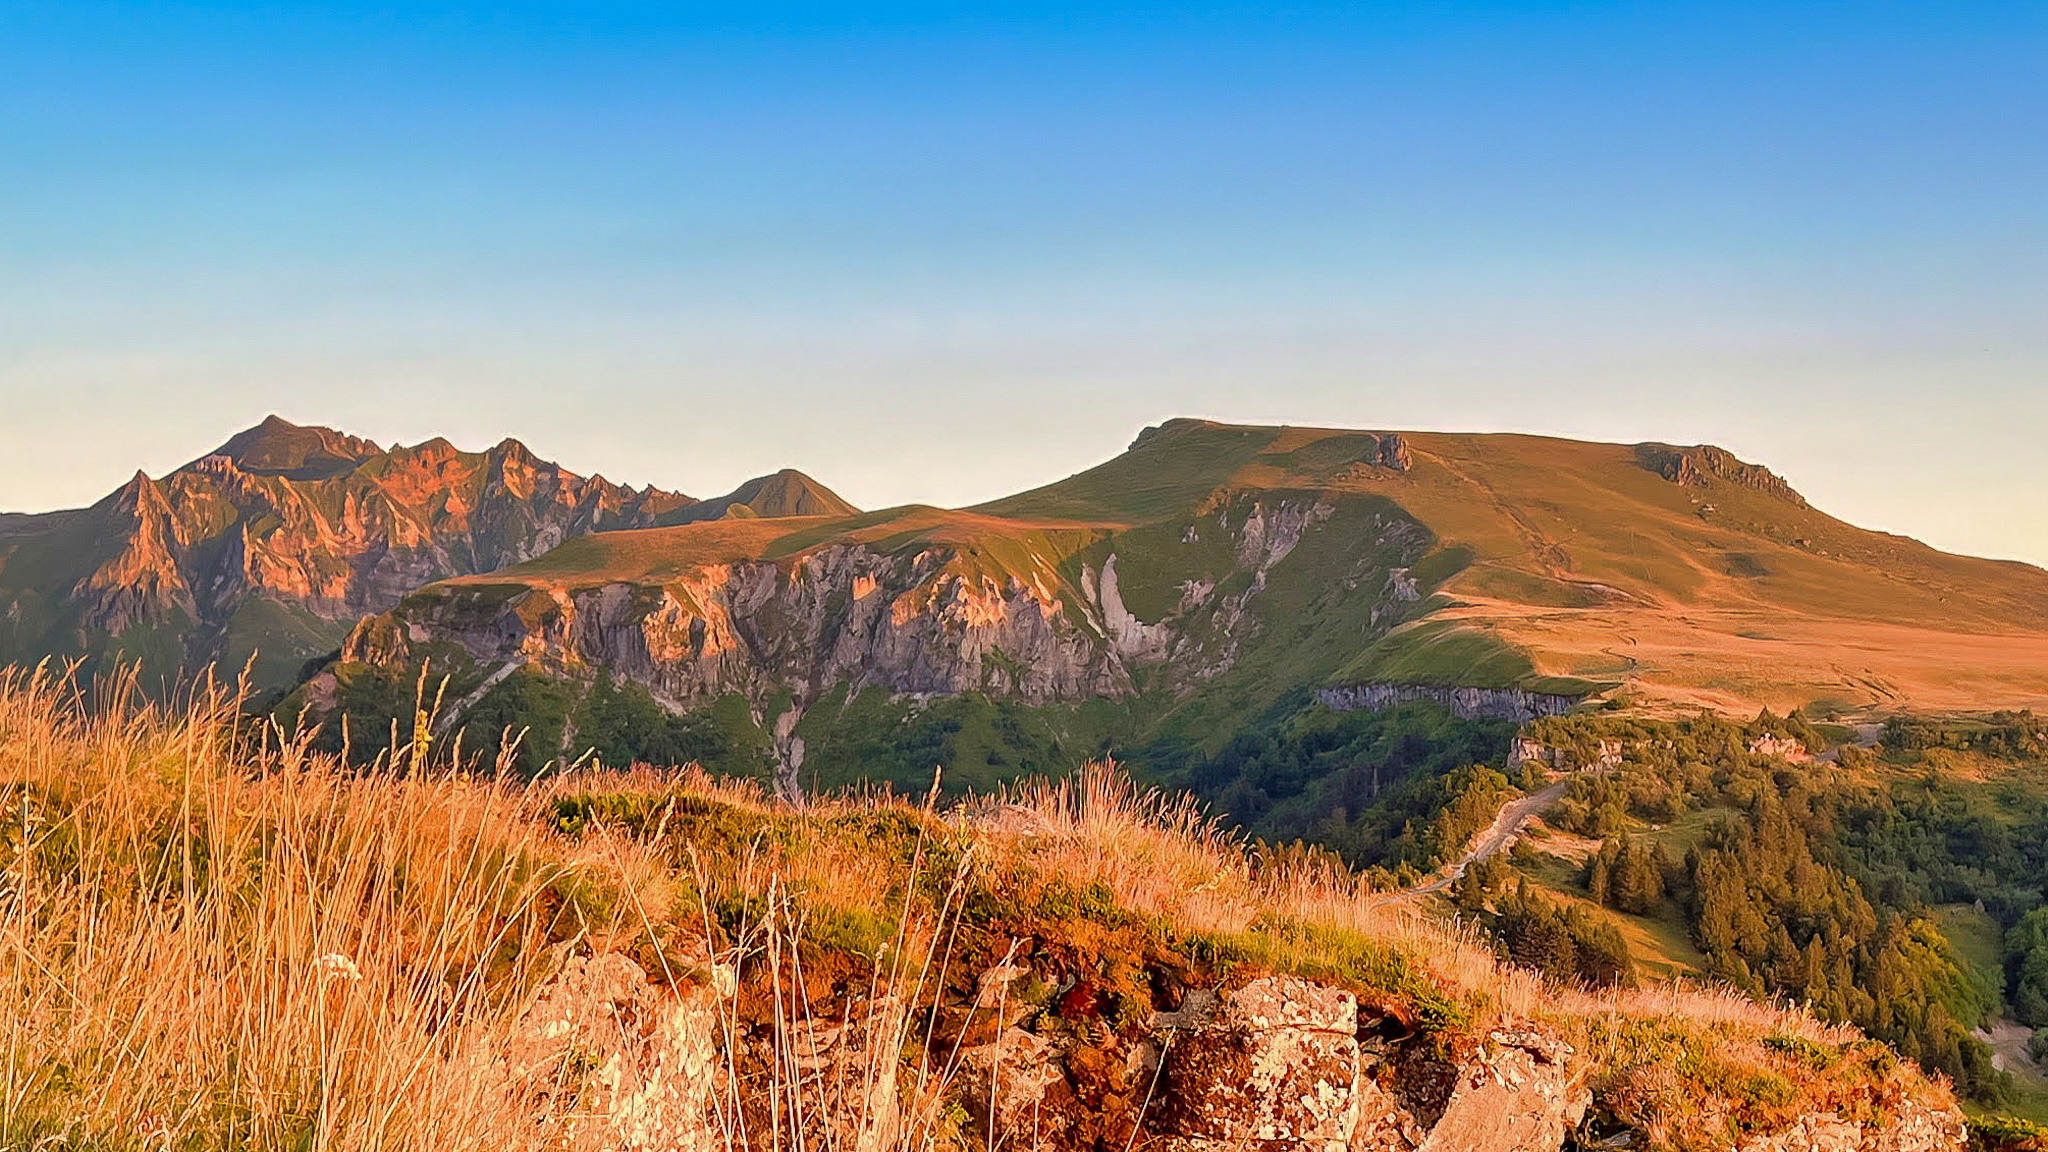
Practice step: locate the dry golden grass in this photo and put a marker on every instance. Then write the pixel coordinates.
(1735, 661)
(265, 949)
(210, 939)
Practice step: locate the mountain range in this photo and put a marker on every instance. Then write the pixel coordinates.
(271, 547)
(1730, 736)
(1208, 571)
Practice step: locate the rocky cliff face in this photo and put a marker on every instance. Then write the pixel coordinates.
(1703, 465)
(1469, 703)
(216, 533)
(327, 526)
(757, 627)
(921, 618)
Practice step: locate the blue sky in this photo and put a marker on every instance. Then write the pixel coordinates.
(932, 253)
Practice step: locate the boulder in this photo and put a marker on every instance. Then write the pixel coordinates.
(1016, 1087)
(635, 1064)
(1276, 1067)
(1517, 1093)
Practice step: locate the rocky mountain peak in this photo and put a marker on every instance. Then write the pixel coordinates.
(276, 446)
(511, 452)
(137, 496)
(302, 524)
(436, 448)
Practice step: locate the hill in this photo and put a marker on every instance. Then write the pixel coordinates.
(274, 544)
(1213, 572)
(225, 943)
(785, 493)
(1679, 575)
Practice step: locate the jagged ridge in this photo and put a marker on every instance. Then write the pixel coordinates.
(276, 542)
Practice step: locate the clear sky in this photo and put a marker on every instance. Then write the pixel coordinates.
(933, 256)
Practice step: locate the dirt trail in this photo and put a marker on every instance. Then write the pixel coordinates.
(1508, 824)
(2008, 1042)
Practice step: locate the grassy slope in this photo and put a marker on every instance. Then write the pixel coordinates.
(1592, 566)
(1556, 566)
(657, 555)
(322, 958)
(780, 494)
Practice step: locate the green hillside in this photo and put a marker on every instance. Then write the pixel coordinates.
(1676, 577)
(784, 493)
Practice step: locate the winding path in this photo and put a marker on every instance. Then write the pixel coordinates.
(1508, 824)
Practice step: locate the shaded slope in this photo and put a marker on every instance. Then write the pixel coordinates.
(277, 447)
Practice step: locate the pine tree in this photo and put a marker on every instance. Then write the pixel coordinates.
(1600, 874)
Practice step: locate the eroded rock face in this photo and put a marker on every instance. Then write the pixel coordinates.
(1276, 1067)
(639, 1062)
(911, 619)
(845, 613)
(310, 525)
(1517, 1093)
(1704, 464)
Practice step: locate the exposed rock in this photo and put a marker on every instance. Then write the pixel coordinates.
(1704, 464)
(1825, 1132)
(1916, 1127)
(1910, 1127)
(1277, 1068)
(845, 1073)
(1278, 1065)
(916, 620)
(1026, 1088)
(319, 529)
(1790, 748)
(1518, 1093)
(1470, 703)
(1132, 638)
(1606, 754)
(310, 526)
(757, 627)
(1403, 585)
(1268, 535)
(1394, 452)
(639, 1062)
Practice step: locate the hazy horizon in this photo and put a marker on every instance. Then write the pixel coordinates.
(932, 257)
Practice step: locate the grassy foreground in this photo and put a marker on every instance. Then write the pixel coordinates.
(213, 939)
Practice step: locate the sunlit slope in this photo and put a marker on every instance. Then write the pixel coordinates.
(1569, 523)
(998, 546)
(785, 493)
(1679, 573)
(1667, 575)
